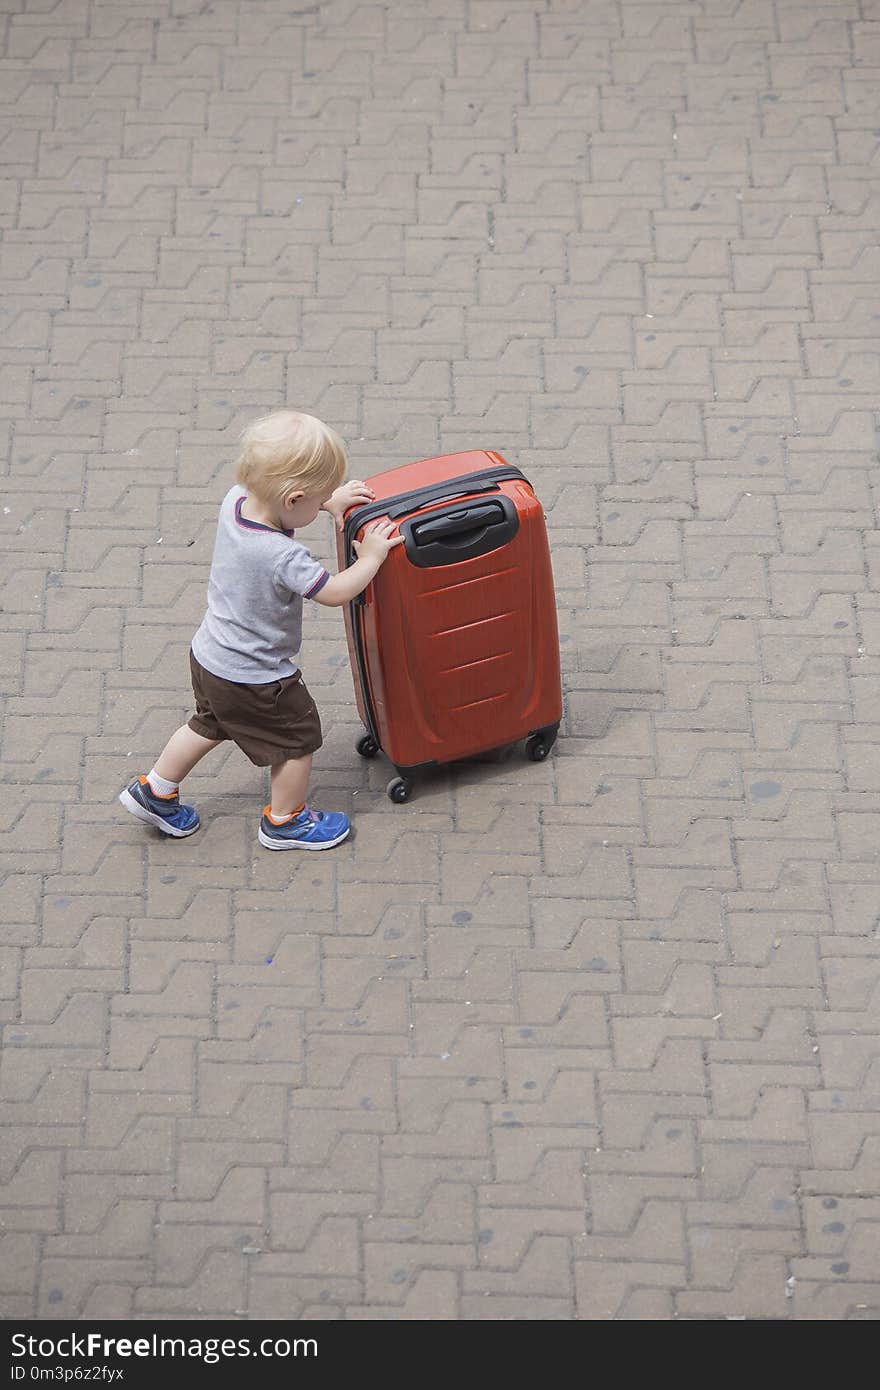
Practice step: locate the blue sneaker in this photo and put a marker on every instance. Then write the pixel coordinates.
(307, 830)
(166, 812)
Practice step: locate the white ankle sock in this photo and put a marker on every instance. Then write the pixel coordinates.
(160, 785)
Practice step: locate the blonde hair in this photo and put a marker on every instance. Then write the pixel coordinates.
(290, 449)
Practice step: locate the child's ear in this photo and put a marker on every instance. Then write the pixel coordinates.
(290, 498)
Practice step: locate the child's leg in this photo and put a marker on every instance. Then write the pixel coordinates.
(155, 798)
(290, 784)
(286, 825)
(181, 753)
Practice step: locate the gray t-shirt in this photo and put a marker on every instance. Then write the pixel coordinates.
(252, 631)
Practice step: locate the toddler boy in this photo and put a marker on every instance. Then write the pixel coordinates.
(245, 656)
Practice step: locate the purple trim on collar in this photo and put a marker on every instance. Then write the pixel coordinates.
(258, 525)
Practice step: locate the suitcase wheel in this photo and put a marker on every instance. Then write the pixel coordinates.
(399, 789)
(538, 745)
(367, 746)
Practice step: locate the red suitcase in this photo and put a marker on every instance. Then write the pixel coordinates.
(454, 645)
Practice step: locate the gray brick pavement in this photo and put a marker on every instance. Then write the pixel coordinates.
(589, 1040)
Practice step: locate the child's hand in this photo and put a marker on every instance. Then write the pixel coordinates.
(377, 541)
(348, 495)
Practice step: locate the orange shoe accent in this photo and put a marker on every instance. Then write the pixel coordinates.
(160, 796)
(282, 820)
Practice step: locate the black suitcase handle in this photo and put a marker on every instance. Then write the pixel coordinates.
(448, 536)
(458, 523)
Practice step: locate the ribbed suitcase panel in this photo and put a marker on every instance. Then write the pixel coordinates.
(463, 657)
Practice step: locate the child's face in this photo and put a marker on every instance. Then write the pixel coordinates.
(299, 508)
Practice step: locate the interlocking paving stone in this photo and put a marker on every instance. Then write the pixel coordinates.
(596, 1039)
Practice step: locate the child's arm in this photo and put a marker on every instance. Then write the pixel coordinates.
(372, 552)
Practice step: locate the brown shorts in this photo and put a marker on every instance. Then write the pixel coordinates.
(270, 723)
